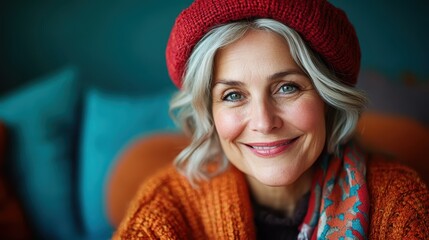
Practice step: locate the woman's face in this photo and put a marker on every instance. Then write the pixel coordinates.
(268, 116)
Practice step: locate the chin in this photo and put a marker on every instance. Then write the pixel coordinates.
(276, 179)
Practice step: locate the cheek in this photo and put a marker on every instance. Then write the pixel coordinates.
(309, 116)
(228, 124)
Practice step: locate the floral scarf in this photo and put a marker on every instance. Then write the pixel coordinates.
(339, 201)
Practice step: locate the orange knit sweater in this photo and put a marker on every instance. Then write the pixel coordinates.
(168, 207)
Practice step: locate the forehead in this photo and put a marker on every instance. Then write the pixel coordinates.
(256, 41)
(257, 50)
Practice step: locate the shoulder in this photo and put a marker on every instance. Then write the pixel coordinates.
(388, 176)
(399, 200)
(155, 211)
(382, 170)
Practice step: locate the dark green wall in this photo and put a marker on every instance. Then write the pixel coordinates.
(116, 44)
(120, 44)
(393, 35)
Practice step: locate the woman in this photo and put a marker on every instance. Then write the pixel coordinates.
(267, 94)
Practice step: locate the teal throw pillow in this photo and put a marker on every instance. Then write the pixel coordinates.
(41, 120)
(111, 122)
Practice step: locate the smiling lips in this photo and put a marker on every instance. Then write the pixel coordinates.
(271, 149)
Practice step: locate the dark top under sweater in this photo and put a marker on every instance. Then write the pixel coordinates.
(272, 224)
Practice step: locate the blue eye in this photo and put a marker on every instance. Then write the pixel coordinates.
(288, 88)
(233, 97)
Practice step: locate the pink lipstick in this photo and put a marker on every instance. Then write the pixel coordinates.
(271, 149)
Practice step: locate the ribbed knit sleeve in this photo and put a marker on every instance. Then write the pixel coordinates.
(399, 202)
(168, 207)
(155, 213)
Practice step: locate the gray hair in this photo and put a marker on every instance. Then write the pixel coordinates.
(191, 107)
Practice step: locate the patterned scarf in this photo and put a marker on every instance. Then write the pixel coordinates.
(339, 202)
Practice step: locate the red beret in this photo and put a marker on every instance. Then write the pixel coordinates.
(324, 27)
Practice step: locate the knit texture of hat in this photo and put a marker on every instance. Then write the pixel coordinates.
(324, 27)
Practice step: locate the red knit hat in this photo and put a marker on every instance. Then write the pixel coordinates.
(326, 29)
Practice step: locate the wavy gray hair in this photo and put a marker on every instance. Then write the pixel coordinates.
(191, 107)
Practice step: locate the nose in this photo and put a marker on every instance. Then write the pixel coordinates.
(264, 117)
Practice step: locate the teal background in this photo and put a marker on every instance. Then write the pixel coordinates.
(116, 45)
(119, 45)
(393, 35)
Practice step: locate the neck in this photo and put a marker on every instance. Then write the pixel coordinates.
(281, 198)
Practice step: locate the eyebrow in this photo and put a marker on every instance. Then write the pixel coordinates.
(232, 83)
(285, 73)
(272, 77)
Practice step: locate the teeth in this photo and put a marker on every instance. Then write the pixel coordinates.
(264, 148)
